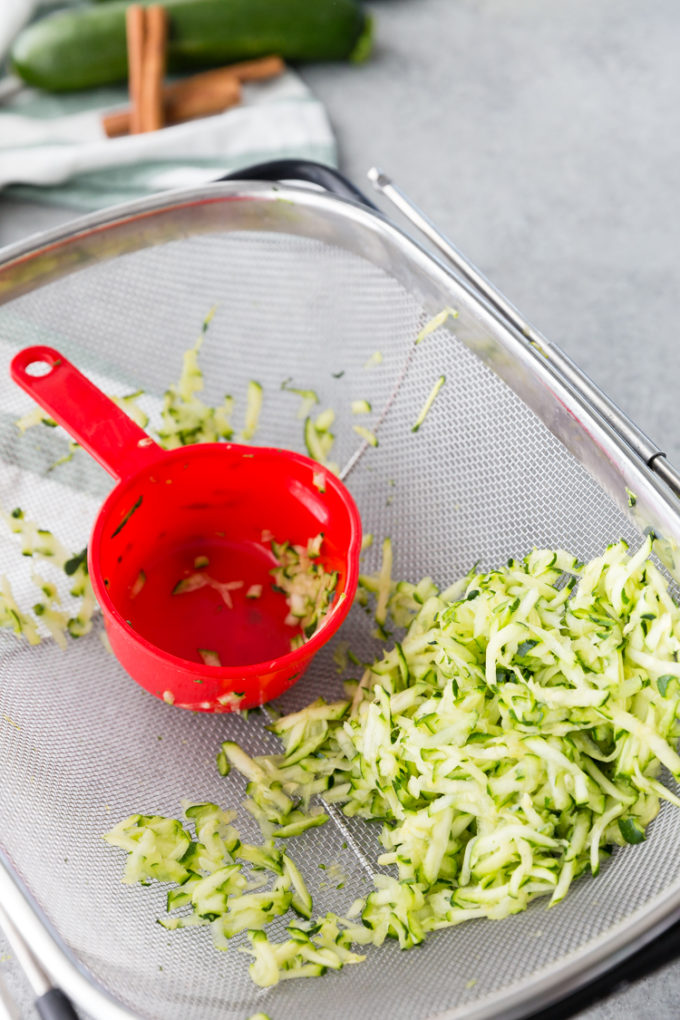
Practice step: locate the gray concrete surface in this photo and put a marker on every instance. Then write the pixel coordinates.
(543, 137)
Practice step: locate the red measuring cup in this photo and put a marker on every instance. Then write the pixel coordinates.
(183, 543)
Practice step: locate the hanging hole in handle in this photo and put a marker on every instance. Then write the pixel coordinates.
(35, 362)
(39, 368)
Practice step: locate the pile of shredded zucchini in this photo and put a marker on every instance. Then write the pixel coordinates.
(512, 737)
(48, 610)
(233, 887)
(185, 417)
(308, 588)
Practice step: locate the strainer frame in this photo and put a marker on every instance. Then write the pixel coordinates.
(540, 382)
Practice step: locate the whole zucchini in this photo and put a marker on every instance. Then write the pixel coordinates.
(85, 47)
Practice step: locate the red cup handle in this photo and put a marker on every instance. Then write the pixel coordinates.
(87, 414)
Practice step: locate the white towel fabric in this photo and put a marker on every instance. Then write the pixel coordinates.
(53, 147)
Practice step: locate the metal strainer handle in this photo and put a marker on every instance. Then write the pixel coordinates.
(51, 1003)
(635, 438)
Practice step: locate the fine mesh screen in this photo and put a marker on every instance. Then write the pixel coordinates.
(81, 746)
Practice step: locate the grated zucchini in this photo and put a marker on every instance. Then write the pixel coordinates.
(361, 407)
(319, 439)
(210, 881)
(505, 743)
(185, 418)
(425, 410)
(375, 359)
(512, 736)
(57, 622)
(435, 322)
(308, 588)
(308, 398)
(128, 403)
(209, 656)
(366, 434)
(253, 409)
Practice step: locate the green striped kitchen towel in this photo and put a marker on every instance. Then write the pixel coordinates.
(53, 147)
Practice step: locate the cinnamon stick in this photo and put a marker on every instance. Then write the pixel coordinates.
(201, 94)
(135, 30)
(211, 97)
(244, 70)
(153, 68)
(193, 100)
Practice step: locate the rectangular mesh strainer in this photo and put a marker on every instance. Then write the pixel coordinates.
(307, 286)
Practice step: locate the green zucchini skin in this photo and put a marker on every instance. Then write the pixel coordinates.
(85, 48)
